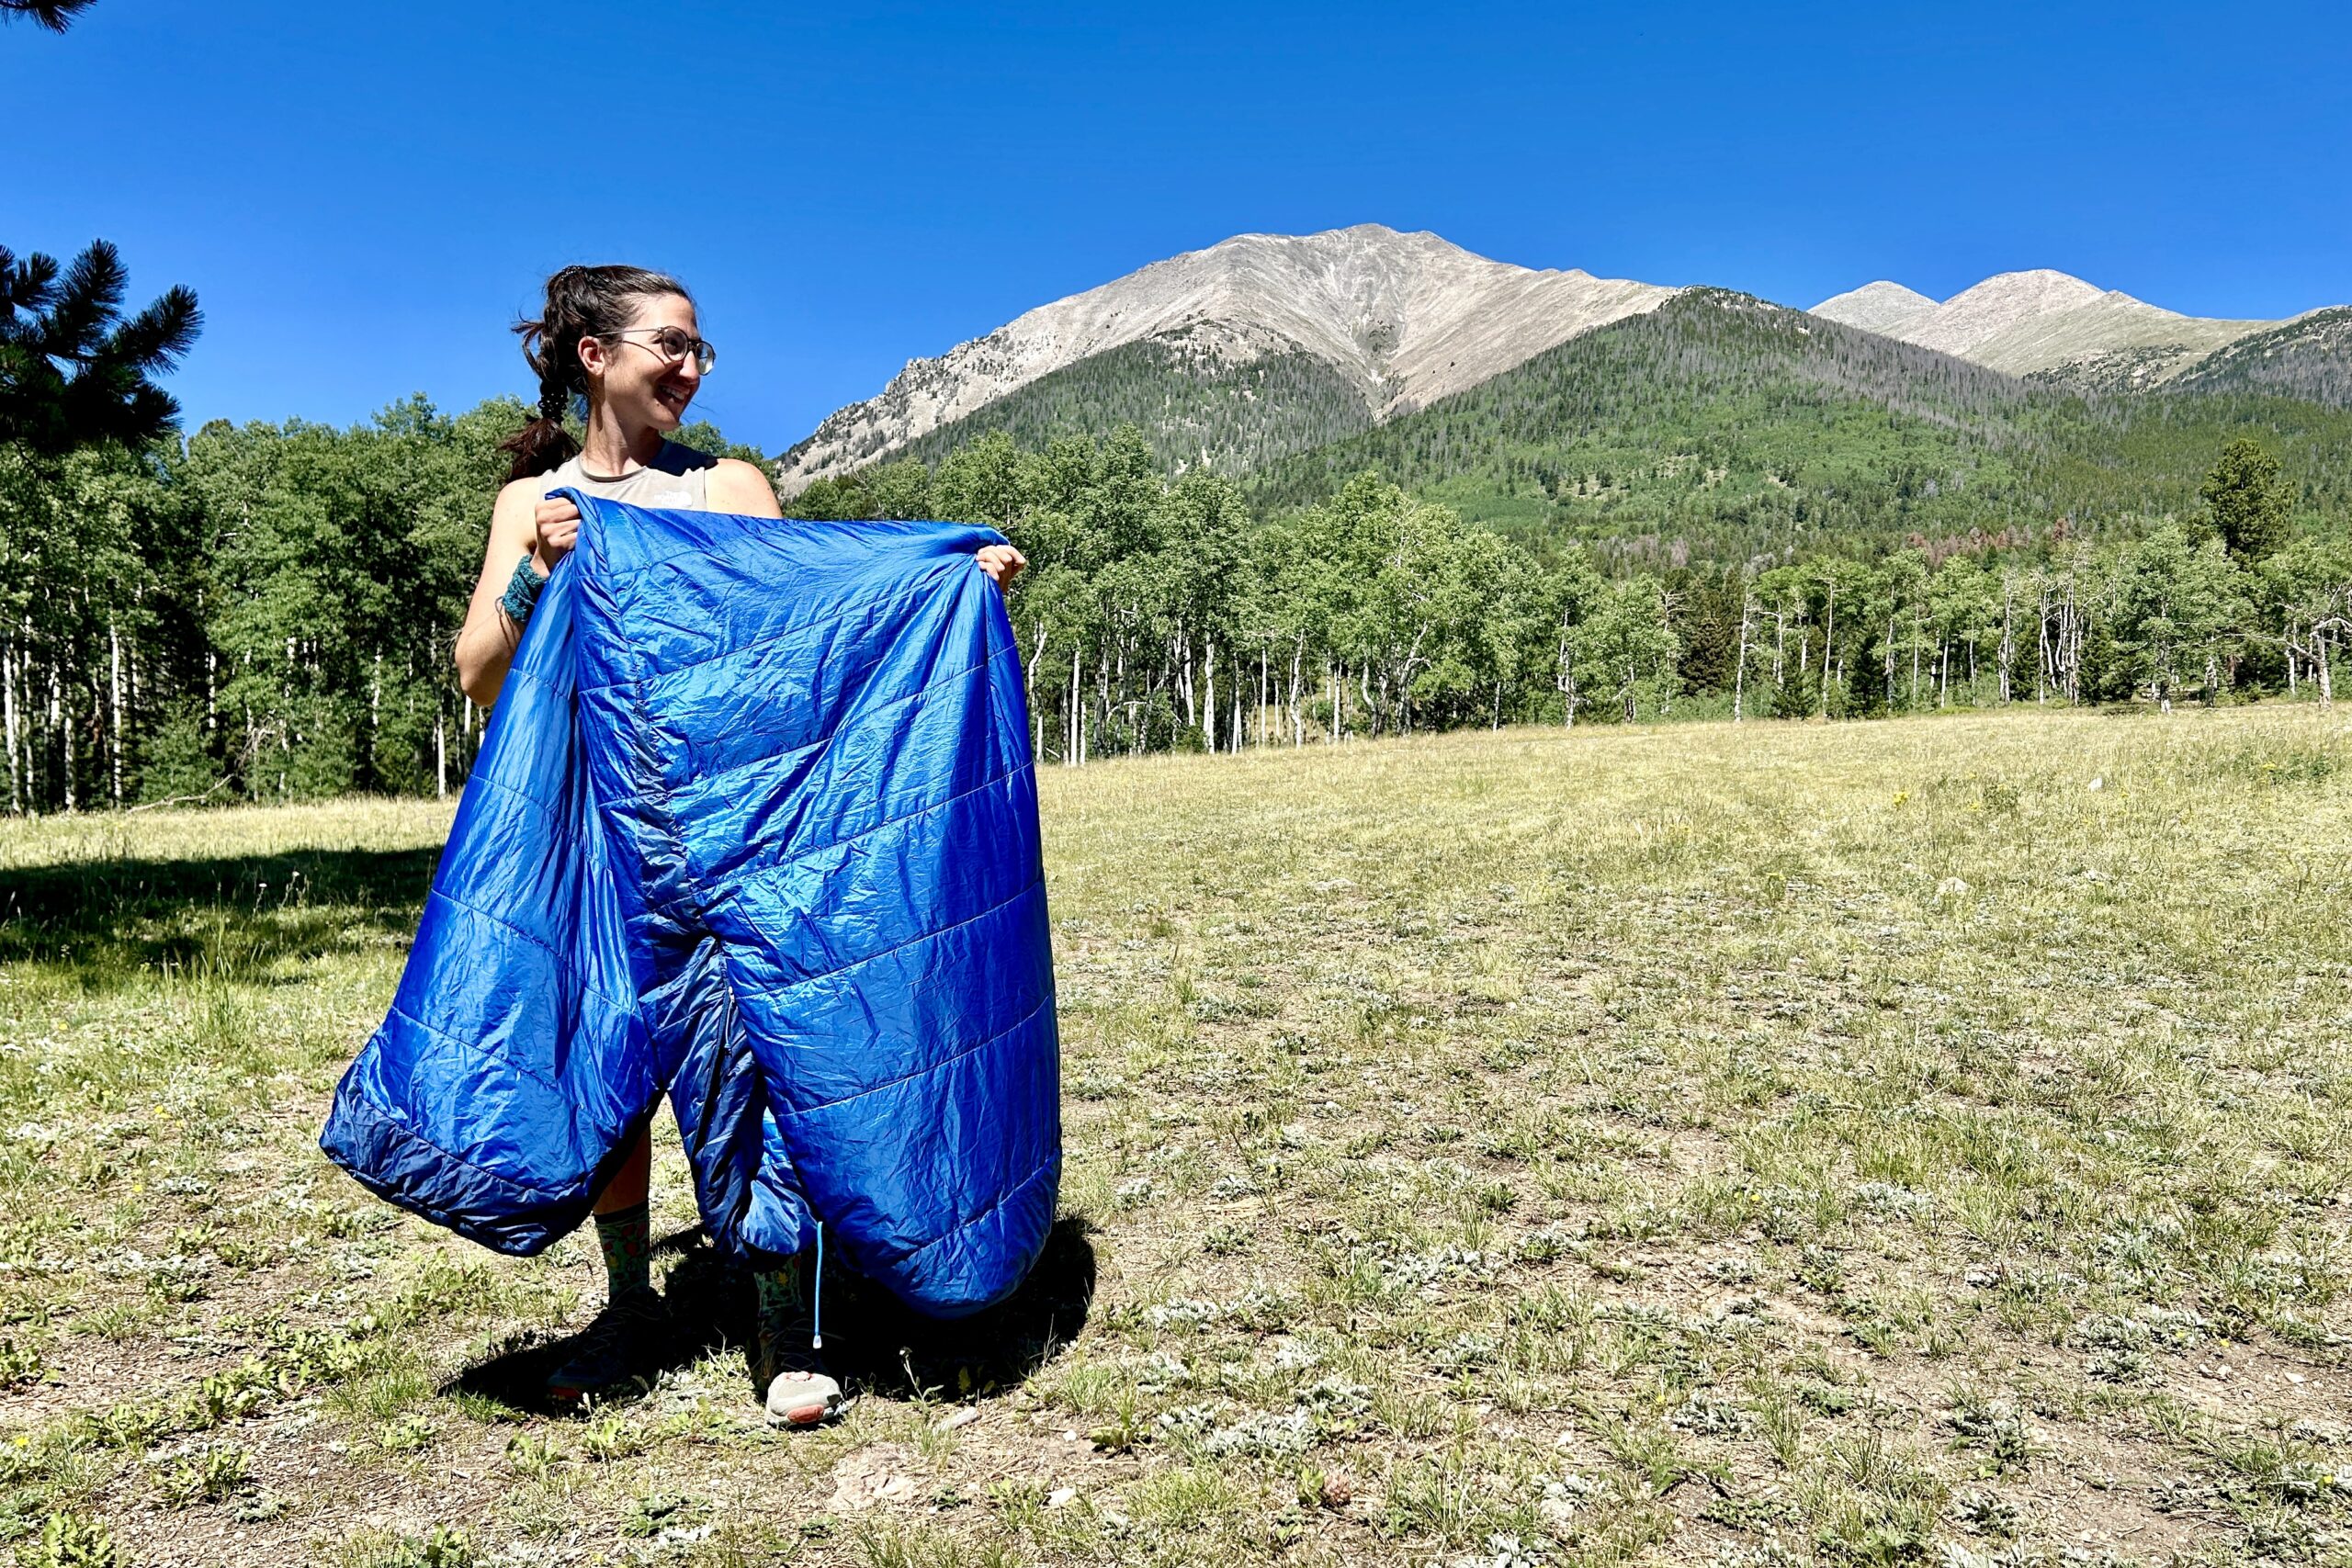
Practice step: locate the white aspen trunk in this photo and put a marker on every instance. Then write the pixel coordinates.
(61, 718)
(1029, 694)
(374, 717)
(1266, 694)
(1110, 678)
(1264, 716)
(8, 701)
(1563, 680)
(2008, 649)
(1890, 663)
(1739, 670)
(1181, 663)
(114, 718)
(2081, 630)
(130, 661)
(2041, 656)
(1297, 676)
(1828, 647)
(1209, 696)
(441, 753)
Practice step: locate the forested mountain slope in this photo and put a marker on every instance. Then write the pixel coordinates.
(1720, 426)
(2309, 357)
(1196, 409)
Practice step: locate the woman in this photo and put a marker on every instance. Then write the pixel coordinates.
(626, 342)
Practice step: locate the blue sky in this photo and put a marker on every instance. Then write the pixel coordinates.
(364, 197)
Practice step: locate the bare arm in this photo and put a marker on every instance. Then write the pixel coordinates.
(521, 524)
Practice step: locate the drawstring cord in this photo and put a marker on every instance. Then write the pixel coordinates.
(817, 1308)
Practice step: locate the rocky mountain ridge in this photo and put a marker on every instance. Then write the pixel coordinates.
(1406, 318)
(1266, 345)
(2042, 323)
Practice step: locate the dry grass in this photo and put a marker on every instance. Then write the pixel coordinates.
(1858, 1145)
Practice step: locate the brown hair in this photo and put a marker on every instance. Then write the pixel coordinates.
(582, 301)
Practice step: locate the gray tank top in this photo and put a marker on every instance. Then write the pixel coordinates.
(678, 477)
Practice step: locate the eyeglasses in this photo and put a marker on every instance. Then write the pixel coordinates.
(673, 345)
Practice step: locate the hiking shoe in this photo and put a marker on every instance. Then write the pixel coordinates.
(802, 1398)
(801, 1392)
(612, 1349)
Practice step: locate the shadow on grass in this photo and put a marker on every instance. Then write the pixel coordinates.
(872, 1343)
(102, 922)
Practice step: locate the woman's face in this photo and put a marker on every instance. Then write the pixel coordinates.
(632, 377)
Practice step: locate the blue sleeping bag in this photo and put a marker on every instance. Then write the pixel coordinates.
(754, 821)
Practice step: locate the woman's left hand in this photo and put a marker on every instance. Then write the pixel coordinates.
(1001, 562)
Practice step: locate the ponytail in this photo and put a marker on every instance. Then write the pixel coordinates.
(582, 301)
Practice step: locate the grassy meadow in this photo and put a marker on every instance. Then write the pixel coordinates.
(1921, 1142)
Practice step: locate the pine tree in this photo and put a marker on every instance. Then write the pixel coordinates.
(50, 321)
(54, 15)
(2249, 500)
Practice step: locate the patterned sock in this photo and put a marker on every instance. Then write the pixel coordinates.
(626, 1236)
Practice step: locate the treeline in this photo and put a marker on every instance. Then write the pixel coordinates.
(1157, 615)
(263, 612)
(267, 612)
(254, 613)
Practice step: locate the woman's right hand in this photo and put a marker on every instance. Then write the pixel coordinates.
(555, 524)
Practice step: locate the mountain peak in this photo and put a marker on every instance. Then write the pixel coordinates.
(1401, 318)
(2001, 302)
(2040, 320)
(2035, 280)
(1882, 306)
